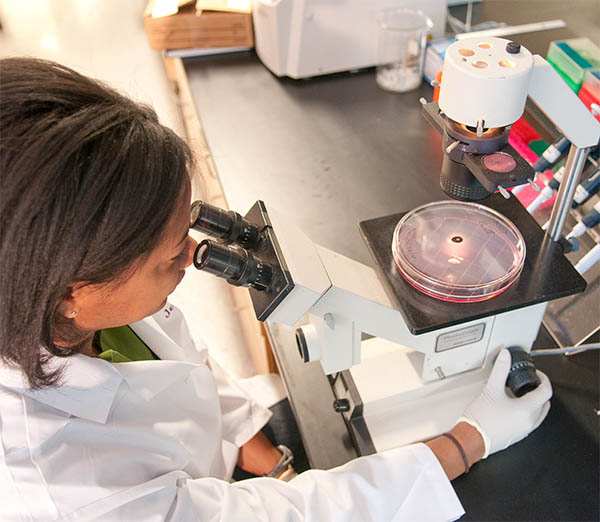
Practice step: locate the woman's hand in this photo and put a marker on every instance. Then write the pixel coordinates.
(493, 421)
(501, 418)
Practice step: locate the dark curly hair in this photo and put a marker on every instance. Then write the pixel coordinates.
(88, 182)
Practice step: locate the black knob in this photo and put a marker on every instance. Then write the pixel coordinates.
(513, 48)
(302, 345)
(522, 377)
(341, 405)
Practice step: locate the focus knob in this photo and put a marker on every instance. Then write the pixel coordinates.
(513, 48)
(341, 405)
(522, 377)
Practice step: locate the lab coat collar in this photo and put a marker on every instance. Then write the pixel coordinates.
(87, 391)
(167, 335)
(89, 385)
(149, 378)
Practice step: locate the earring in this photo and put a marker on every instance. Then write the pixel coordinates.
(73, 314)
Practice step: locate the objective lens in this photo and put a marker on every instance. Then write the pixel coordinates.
(522, 377)
(226, 225)
(457, 181)
(238, 266)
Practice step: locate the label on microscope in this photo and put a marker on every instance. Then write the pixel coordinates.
(461, 337)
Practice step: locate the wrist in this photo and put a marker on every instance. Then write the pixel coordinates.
(258, 455)
(271, 462)
(477, 427)
(471, 441)
(458, 449)
(283, 464)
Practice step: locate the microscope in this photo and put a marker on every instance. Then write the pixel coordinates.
(403, 362)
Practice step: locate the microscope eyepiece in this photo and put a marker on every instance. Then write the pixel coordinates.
(226, 225)
(236, 265)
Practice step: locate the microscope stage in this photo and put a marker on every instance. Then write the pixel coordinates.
(546, 275)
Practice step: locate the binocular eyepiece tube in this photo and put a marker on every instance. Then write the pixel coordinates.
(226, 225)
(236, 265)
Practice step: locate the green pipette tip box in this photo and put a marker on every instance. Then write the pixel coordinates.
(573, 58)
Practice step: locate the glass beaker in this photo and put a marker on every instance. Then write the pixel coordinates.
(402, 37)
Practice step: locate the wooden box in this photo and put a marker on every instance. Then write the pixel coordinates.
(186, 29)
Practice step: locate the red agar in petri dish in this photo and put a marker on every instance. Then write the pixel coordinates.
(458, 251)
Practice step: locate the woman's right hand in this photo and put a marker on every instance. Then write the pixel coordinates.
(500, 417)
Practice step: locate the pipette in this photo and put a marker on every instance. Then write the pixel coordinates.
(584, 191)
(547, 191)
(587, 188)
(551, 155)
(587, 261)
(589, 220)
(548, 158)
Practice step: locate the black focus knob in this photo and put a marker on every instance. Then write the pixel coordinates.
(522, 377)
(513, 48)
(302, 345)
(341, 405)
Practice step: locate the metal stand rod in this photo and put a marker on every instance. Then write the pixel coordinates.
(564, 199)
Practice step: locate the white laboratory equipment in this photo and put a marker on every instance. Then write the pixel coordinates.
(304, 38)
(401, 359)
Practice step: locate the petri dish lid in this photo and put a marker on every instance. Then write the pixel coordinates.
(458, 251)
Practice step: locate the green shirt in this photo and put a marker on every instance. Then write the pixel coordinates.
(121, 344)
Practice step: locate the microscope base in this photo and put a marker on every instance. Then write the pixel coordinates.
(398, 409)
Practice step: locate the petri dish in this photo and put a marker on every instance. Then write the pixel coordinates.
(458, 251)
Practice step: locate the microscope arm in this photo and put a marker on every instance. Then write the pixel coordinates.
(562, 106)
(342, 298)
(336, 299)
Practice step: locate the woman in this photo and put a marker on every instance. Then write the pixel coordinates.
(94, 222)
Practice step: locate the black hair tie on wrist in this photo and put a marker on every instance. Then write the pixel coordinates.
(460, 449)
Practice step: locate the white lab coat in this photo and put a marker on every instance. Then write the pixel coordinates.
(157, 440)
